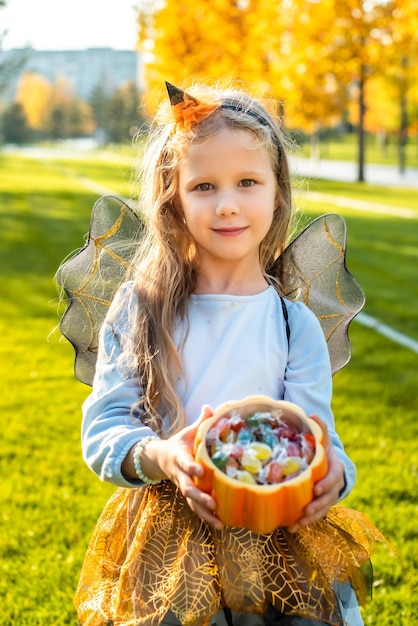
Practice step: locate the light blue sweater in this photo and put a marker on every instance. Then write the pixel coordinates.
(234, 346)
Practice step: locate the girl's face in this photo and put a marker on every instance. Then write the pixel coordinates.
(228, 192)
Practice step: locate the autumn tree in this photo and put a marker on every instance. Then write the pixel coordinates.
(309, 74)
(68, 119)
(292, 50)
(53, 110)
(65, 115)
(402, 71)
(381, 114)
(332, 45)
(209, 39)
(360, 47)
(308, 53)
(121, 115)
(14, 124)
(34, 93)
(98, 101)
(363, 28)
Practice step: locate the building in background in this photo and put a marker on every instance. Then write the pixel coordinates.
(84, 70)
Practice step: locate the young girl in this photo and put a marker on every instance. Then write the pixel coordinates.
(201, 322)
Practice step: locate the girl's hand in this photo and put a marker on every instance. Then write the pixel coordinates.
(176, 461)
(326, 490)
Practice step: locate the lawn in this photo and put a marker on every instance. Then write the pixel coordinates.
(344, 147)
(382, 250)
(50, 500)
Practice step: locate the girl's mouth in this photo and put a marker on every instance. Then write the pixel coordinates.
(230, 232)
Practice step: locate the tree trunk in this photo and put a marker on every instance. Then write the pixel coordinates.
(315, 144)
(403, 121)
(361, 132)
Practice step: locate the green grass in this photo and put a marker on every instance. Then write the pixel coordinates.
(50, 501)
(392, 196)
(382, 254)
(345, 148)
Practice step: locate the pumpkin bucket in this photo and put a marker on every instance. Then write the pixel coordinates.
(253, 466)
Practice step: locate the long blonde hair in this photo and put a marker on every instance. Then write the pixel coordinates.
(165, 266)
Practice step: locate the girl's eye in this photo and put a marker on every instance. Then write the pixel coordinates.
(204, 186)
(247, 182)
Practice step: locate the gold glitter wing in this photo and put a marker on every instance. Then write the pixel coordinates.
(312, 267)
(150, 553)
(91, 277)
(313, 270)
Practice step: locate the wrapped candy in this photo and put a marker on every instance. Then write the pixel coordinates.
(261, 458)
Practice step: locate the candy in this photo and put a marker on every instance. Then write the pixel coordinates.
(269, 438)
(245, 477)
(241, 475)
(220, 459)
(274, 472)
(254, 419)
(260, 448)
(250, 462)
(244, 436)
(291, 465)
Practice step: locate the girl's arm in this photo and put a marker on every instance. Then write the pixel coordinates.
(172, 459)
(308, 383)
(308, 379)
(109, 430)
(110, 434)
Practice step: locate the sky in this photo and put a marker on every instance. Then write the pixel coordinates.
(68, 24)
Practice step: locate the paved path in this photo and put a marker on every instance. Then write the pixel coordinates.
(387, 175)
(387, 331)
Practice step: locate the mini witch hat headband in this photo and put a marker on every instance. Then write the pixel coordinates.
(188, 110)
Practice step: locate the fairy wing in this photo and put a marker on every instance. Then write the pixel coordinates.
(316, 258)
(91, 277)
(313, 269)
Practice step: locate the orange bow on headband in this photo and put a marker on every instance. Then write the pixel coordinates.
(186, 109)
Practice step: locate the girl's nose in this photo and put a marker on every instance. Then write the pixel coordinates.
(227, 204)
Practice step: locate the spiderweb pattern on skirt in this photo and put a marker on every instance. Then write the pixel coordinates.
(151, 553)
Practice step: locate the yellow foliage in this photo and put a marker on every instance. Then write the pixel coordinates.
(41, 100)
(211, 39)
(33, 93)
(306, 54)
(382, 110)
(61, 91)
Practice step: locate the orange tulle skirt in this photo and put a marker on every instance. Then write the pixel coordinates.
(150, 554)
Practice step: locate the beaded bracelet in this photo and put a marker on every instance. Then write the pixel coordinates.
(137, 461)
